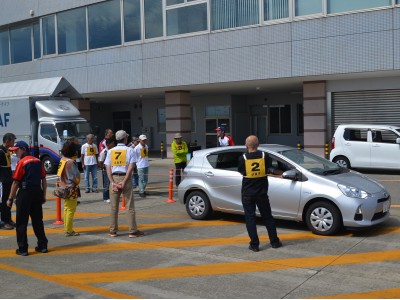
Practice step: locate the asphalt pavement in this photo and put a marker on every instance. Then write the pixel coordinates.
(183, 258)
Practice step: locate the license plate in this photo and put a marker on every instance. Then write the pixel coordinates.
(386, 206)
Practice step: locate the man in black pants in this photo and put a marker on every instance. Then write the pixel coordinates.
(30, 181)
(6, 180)
(253, 167)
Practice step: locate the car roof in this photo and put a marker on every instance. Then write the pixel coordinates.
(369, 126)
(270, 147)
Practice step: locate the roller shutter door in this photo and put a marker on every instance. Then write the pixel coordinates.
(366, 107)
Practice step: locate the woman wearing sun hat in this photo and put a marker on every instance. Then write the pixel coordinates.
(179, 149)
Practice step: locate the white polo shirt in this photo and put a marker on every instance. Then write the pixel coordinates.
(142, 154)
(89, 152)
(119, 158)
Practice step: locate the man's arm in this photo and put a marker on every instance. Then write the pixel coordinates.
(128, 175)
(44, 188)
(13, 193)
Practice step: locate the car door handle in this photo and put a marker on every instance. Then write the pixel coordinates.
(209, 174)
(375, 145)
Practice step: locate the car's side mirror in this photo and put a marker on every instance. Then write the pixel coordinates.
(398, 141)
(291, 174)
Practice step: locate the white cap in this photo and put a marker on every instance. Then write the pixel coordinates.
(120, 135)
(142, 137)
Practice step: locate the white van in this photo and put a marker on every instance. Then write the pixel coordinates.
(366, 146)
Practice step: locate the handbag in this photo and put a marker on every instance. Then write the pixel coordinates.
(67, 192)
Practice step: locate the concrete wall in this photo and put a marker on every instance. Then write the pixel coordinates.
(362, 42)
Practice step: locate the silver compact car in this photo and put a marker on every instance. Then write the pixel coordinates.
(303, 187)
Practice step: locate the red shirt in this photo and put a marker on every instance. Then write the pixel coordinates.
(30, 170)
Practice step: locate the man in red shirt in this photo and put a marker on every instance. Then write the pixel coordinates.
(30, 181)
(223, 139)
(108, 134)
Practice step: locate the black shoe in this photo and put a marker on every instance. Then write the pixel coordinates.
(254, 248)
(41, 250)
(18, 252)
(277, 244)
(142, 195)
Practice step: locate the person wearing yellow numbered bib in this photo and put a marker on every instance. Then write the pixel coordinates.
(89, 154)
(69, 175)
(142, 154)
(119, 163)
(6, 180)
(253, 165)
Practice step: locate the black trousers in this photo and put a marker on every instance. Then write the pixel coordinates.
(29, 204)
(264, 207)
(178, 169)
(5, 210)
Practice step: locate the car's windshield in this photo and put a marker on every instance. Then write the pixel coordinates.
(312, 162)
(78, 129)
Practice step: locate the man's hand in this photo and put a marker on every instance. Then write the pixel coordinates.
(9, 202)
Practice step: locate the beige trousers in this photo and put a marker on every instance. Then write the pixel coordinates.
(127, 191)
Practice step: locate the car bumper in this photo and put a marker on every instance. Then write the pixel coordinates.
(367, 212)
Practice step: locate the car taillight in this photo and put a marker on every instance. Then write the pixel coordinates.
(333, 143)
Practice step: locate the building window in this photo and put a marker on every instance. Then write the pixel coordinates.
(276, 9)
(161, 123)
(122, 121)
(300, 119)
(71, 31)
(132, 20)
(36, 41)
(336, 6)
(4, 48)
(234, 13)
(49, 35)
(308, 7)
(280, 120)
(104, 24)
(173, 2)
(153, 18)
(187, 19)
(21, 46)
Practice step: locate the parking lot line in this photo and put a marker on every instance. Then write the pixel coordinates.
(105, 229)
(68, 283)
(230, 268)
(187, 243)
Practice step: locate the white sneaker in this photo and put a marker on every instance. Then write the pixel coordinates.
(107, 201)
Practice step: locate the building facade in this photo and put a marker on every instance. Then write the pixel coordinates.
(288, 71)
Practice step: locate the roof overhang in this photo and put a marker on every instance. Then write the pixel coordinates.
(46, 87)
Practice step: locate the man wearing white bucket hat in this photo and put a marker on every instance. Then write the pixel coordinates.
(180, 150)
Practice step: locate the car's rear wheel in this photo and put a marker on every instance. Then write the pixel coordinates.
(323, 218)
(342, 161)
(198, 205)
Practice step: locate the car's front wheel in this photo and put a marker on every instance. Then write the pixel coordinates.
(198, 205)
(323, 218)
(342, 161)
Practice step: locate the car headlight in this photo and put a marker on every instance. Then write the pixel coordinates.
(353, 192)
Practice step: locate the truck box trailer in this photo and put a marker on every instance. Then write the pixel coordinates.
(40, 113)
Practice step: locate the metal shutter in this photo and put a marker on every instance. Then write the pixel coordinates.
(366, 107)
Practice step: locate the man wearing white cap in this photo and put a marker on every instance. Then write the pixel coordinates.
(119, 163)
(142, 154)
